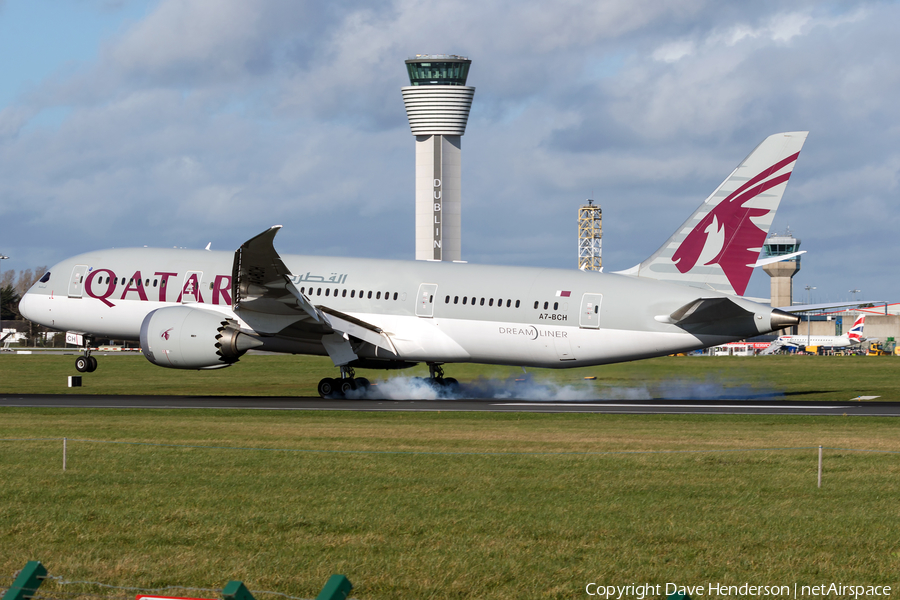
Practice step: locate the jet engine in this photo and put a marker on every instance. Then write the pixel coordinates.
(183, 337)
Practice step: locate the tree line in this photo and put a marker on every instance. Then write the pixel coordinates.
(13, 287)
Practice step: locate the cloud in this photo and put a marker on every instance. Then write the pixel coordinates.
(216, 120)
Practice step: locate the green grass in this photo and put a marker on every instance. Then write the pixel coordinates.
(446, 505)
(815, 378)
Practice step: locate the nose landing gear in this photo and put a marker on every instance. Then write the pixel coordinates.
(86, 363)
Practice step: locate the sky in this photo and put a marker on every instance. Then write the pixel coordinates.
(187, 122)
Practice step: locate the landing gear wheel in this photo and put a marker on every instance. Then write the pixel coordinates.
(83, 364)
(346, 385)
(327, 387)
(451, 384)
(362, 383)
(93, 366)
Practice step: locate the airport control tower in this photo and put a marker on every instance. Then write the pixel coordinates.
(783, 271)
(437, 104)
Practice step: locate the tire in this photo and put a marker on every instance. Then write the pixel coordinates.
(346, 385)
(326, 387)
(82, 364)
(93, 366)
(362, 383)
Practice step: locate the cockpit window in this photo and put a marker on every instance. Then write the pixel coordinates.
(45, 278)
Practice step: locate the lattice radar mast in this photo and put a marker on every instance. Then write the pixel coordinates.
(590, 237)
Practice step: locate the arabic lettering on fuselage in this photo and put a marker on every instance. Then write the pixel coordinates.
(309, 278)
(103, 284)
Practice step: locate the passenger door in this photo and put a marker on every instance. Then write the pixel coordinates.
(589, 316)
(425, 300)
(76, 283)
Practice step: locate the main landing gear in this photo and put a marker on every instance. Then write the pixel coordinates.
(337, 388)
(439, 381)
(86, 363)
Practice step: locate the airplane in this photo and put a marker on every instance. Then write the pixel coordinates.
(853, 337)
(202, 309)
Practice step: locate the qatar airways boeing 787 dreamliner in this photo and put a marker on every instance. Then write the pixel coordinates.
(196, 309)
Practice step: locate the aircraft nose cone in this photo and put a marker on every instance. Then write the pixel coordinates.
(781, 319)
(26, 307)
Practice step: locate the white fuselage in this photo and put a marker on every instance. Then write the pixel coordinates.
(824, 341)
(470, 313)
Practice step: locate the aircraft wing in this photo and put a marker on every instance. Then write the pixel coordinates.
(266, 298)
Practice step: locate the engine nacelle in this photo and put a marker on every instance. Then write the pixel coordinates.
(183, 337)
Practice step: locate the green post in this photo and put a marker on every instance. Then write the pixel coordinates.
(28, 581)
(337, 588)
(235, 590)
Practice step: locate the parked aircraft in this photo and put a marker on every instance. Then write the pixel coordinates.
(853, 337)
(197, 309)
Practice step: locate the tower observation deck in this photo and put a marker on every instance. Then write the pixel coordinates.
(437, 104)
(782, 272)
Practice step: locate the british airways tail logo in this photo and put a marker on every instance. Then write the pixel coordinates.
(727, 233)
(855, 332)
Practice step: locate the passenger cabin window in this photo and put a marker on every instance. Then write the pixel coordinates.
(447, 300)
(535, 303)
(353, 293)
(455, 299)
(369, 296)
(517, 304)
(556, 306)
(343, 293)
(546, 304)
(395, 297)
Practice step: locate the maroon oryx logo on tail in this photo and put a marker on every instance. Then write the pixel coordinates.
(727, 233)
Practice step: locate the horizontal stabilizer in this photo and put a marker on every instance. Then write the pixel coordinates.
(799, 308)
(704, 310)
(774, 259)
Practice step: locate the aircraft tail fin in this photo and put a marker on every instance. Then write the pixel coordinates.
(719, 244)
(854, 334)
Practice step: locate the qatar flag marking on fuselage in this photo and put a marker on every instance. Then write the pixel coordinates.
(727, 233)
(563, 293)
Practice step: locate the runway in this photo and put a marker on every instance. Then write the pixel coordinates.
(655, 407)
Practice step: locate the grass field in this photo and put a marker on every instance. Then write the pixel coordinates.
(815, 378)
(447, 505)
